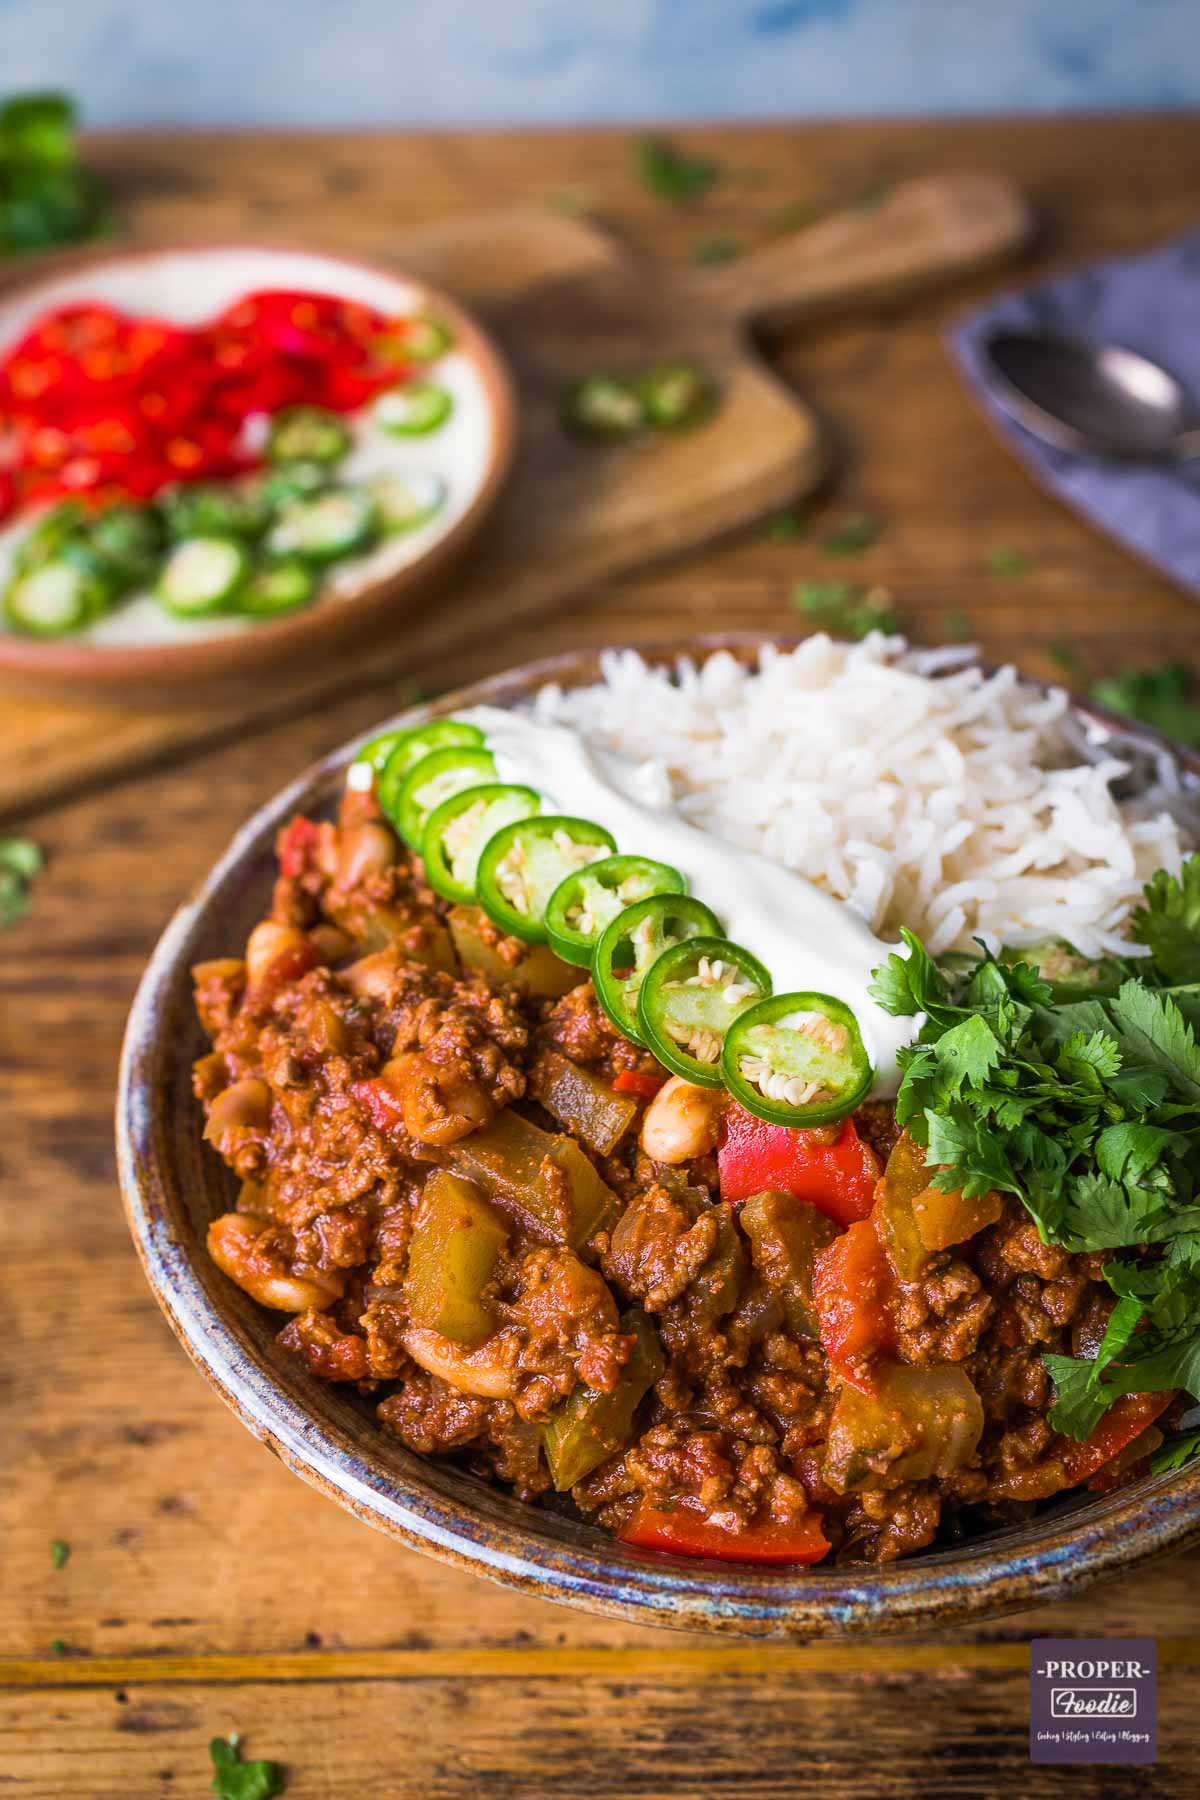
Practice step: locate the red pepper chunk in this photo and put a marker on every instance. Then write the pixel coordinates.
(296, 845)
(1125, 1420)
(838, 1178)
(380, 1104)
(852, 1282)
(684, 1531)
(629, 1081)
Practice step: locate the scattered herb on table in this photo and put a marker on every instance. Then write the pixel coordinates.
(957, 626)
(785, 527)
(238, 1780)
(47, 196)
(1005, 561)
(671, 173)
(1160, 697)
(60, 1552)
(1067, 659)
(20, 861)
(844, 608)
(857, 531)
(1086, 1108)
(716, 250)
(59, 1647)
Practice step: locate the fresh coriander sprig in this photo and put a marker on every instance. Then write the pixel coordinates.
(1083, 1100)
(234, 1779)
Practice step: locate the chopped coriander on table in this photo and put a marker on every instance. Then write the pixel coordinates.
(671, 173)
(47, 197)
(1088, 1110)
(20, 861)
(60, 1552)
(845, 609)
(784, 528)
(1004, 561)
(857, 531)
(238, 1780)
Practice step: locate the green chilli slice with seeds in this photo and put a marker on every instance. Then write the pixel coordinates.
(589, 899)
(524, 863)
(689, 999)
(797, 1059)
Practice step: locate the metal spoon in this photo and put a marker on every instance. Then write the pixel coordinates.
(1093, 398)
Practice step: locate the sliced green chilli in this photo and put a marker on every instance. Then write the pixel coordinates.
(689, 999)
(676, 394)
(406, 501)
(590, 898)
(292, 481)
(523, 864)
(56, 597)
(278, 587)
(129, 542)
(63, 524)
(432, 780)
(327, 527)
(456, 832)
(213, 509)
(415, 409)
(202, 575)
(421, 339)
(604, 406)
(408, 746)
(797, 1059)
(307, 434)
(633, 943)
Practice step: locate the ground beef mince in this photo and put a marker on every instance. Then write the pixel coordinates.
(442, 1150)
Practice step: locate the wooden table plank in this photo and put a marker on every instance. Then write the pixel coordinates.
(186, 1536)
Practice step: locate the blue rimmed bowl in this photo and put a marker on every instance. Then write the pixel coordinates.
(173, 1185)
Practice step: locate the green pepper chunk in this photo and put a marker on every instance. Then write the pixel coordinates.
(590, 898)
(537, 973)
(456, 831)
(634, 941)
(456, 1242)
(524, 863)
(409, 745)
(583, 1104)
(430, 781)
(786, 1235)
(797, 1059)
(690, 997)
(592, 1426)
(545, 1180)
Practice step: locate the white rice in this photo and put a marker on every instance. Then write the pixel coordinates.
(909, 784)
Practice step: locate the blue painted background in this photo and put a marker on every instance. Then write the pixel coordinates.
(415, 62)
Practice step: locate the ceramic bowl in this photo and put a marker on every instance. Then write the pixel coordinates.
(173, 1185)
(187, 284)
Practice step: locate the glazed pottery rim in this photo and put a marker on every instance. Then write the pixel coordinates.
(429, 1505)
(69, 663)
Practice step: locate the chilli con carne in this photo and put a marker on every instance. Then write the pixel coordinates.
(486, 1206)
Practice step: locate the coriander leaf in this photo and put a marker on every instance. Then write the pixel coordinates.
(857, 531)
(971, 1157)
(1174, 1453)
(1103, 1214)
(1128, 1152)
(1174, 1365)
(1098, 1055)
(1003, 561)
(844, 609)
(1159, 697)
(784, 528)
(904, 985)
(968, 1052)
(1123, 1322)
(1169, 923)
(238, 1780)
(1079, 1406)
(957, 626)
(715, 250)
(22, 856)
(672, 173)
(60, 1552)
(1152, 1027)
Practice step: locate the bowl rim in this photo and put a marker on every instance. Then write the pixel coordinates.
(428, 1509)
(245, 654)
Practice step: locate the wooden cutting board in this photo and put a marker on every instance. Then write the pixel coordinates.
(562, 297)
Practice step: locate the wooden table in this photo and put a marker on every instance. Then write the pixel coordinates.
(207, 1590)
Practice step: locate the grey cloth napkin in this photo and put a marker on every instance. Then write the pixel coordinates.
(1149, 303)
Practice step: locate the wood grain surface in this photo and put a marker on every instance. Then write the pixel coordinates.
(206, 1589)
